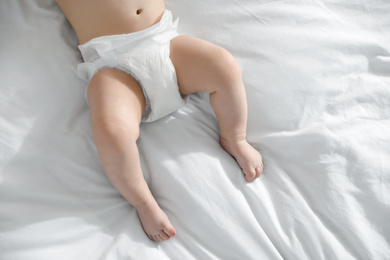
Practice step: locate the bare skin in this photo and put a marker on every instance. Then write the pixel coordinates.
(117, 102)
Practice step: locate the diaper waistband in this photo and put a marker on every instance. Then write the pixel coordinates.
(97, 47)
(102, 52)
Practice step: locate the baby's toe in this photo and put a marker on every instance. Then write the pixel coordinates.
(152, 237)
(170, 231)
(164, 236)
(250, 174)
(259, 170)
(157, 238)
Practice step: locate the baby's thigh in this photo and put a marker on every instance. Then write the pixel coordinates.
(115, 96)
(200, 65)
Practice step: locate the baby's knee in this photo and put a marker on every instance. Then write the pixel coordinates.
(228, 68)
(114, 128)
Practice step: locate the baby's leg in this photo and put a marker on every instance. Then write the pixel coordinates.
(117, 104)
(202, 66)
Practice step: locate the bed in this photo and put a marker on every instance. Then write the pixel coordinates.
(317, 77)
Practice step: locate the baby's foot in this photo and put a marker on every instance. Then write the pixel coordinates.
(155, 222)
(246, 156)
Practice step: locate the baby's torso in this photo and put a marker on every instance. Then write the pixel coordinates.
(95, 18)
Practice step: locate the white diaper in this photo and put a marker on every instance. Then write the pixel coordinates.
(145, 56)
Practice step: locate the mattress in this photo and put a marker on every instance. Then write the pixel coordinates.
(317, 78)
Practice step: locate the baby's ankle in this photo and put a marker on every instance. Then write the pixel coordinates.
(145, 203)
(231, 139)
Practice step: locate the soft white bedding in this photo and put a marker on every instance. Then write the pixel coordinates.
(317, 76)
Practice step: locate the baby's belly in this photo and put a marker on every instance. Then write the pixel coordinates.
(111, 19)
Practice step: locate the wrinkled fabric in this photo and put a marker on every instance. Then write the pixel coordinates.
(317, 77)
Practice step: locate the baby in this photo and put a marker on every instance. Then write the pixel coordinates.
(140, 69)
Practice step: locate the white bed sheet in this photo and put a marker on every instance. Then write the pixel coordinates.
(317, 75)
